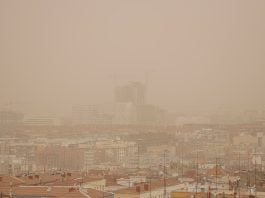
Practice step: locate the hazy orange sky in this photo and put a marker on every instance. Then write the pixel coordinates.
(203, 53)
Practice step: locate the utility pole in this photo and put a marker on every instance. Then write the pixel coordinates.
(27, 161)
(216, 172)
(165, 188)
(150, 191)
(9, 161)
(138, 157)
(248, 178)
(255, 169)
(182, 164)
(138, 153)
(239, 167)
(197, 169)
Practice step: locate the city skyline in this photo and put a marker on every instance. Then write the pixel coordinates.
(132, 98)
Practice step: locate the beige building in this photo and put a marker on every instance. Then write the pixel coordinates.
(147, 190)
(97, 184)
(160, 149)
(116, 151)
(245, 139)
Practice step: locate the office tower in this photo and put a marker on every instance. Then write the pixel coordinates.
(133, 92)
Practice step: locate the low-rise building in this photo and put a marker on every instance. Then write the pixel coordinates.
(147, 190)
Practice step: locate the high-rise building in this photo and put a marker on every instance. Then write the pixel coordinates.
(130, 107)
(127, 98)
(133, 92)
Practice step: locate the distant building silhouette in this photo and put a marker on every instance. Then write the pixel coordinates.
(10, 117)
(133, 92)
(90, 114)
(131, 108)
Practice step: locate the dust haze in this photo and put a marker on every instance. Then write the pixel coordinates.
(132, 98)
(197, 56)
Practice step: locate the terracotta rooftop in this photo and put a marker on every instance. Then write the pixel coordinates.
(58, 192)
(220, 171)
(97, 194)
(51, 179)
(39, 179)
(75, 181)
(7, 181)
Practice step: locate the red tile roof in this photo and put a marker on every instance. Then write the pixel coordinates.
(7, 181)
(58, 192)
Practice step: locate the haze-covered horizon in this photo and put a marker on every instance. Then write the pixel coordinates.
(197, 56)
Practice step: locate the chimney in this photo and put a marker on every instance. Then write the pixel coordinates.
(138, 189)
(146, 187)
